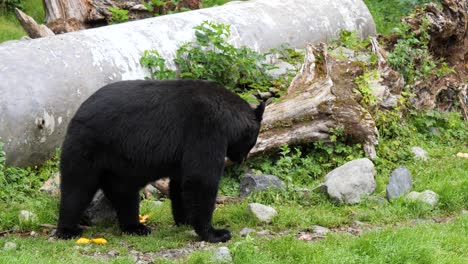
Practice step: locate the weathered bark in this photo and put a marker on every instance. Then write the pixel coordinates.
(191, 4)
(447, 29)
(449, 41)
(33, 29)
(71, 15)
(320, 97)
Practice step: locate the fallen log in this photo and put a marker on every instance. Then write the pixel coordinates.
(52, 76)
(64, 16)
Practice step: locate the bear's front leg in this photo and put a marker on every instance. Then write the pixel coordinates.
(178, 208)
(200, 180)
(200, 197)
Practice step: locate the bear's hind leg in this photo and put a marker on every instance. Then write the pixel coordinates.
(127, 206)
(201, 175)
(77, 191)
(178, 209)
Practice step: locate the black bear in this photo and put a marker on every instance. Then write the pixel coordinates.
(130, 133)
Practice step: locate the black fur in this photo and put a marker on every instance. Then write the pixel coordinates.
(130, 133)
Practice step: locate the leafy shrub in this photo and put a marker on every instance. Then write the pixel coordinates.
(157, 66)
(387, 14)
(20, 183)
(301, 164)
(118, 15)
(10, 5)
(212, 57)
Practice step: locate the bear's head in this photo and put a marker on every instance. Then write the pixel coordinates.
(239, 149)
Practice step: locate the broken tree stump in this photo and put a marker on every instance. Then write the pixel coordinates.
(320, 97)
(31, 27)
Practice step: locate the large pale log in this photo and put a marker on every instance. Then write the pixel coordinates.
(52, 76)
(31, 27)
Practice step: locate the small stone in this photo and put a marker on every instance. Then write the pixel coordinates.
(9, 246)
(282, 69)
(191, 233)
(139, 7)
(377, 199)
(265, 232)
(434, 131)
(26, 216)
(320, 230)
(464, 212)
(245, 231)
(253, 182)
(52, 239)
(429, 197)
(52, 185)
(342, 52)
(357, 223)
(157, 203)
(262, 212)
(223, 255)
(351, 181)
(400, 182)
(113, 253)
(99, 211)
(265, 95)
(33, 234)
(150, 191)
(419, 153)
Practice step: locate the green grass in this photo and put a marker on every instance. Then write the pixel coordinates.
(11, 29)
(387, 14)
(429, 243)
(426, 243)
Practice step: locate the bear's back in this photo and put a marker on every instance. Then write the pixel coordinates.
(134, 116)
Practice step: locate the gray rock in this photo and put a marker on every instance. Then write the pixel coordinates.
(150, 191)
(429, 197)
(434, 130)
(377, 199)
(282, 69)
(139, 7)
(357, 223)
(265, 95)
(320, 230)
(99, 211)
(350, 182)
(245, 231)
(252, 182)
(9, 246)
(262, 212)
(157, 203)
(419, 153)
(223, 255)
(26, 216)
(265, 232)
(342, 52)
(400, 182)
(52, 185)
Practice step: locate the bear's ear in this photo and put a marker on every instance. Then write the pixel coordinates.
(259, 111)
